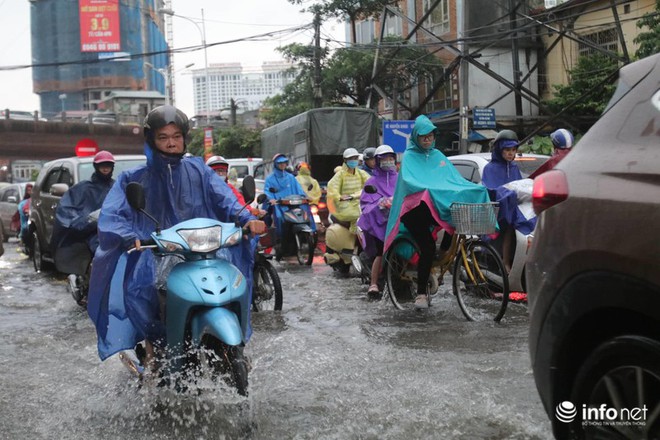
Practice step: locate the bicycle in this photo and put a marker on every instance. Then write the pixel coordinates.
(479, 279)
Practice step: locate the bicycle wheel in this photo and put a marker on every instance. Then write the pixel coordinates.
(401, 272)
(480, 282)
(267, 288)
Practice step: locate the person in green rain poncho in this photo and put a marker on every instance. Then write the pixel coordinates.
(427, 186)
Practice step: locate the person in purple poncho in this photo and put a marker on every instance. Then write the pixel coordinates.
(376, 209)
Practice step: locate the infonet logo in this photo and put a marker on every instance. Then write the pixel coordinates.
(601, 415)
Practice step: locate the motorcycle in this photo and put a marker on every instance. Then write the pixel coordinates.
(297, 238)
(341, 246)
(267, 287)
(206, 319)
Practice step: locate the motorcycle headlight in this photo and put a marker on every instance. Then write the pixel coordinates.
(233, 238)
(202, 240)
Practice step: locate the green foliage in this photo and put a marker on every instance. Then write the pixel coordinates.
(649, 41)
(229, 142)
(589, 71)
(539, 145)
(346, 76)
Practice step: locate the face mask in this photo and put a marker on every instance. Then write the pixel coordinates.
(351, 163)
(387, 165)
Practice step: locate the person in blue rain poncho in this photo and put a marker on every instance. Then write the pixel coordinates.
(284, 184)
(497, 175)
(427, 186)
(123, 299)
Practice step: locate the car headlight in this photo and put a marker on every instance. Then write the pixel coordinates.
(202, 240)
(233, 238)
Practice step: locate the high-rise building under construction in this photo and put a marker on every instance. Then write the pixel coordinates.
(83, 50)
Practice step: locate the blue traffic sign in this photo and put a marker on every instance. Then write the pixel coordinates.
(397, 133)
(483, 118)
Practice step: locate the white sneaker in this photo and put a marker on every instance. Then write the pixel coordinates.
(421, 302)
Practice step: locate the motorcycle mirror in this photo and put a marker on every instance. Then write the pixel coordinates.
(248, 189)
(135, 196)
(262, 198)
(370, 189)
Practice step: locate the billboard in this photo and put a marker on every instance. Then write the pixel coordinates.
(99, 26)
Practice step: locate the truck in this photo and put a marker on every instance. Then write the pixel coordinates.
(320, 136)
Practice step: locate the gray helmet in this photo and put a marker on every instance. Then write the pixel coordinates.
(506, 134)
(369, 153)
(162, 116)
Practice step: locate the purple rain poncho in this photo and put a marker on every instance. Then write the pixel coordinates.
(373, 219)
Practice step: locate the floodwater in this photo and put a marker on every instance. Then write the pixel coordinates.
(331, 365)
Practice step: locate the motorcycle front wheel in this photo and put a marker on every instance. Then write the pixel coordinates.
(228, 362)
(305, 245)
(267, 290)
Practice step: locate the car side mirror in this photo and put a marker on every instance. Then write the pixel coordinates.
(135, 196)
(248, 189)
(58, 189)
(262, 198)
(370, 189)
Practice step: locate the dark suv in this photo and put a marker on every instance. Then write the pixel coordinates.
(53, 181)
(594, 272)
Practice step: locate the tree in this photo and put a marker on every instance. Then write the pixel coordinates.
(649, 42)
(341, 9)
(235, 141)
(346, 76)
(587, 74)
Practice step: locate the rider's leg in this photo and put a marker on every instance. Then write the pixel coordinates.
(507, 246)
(418, 222)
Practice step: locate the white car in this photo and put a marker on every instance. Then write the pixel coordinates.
(471, 166)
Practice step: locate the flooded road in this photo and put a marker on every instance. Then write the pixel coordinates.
(331, 365)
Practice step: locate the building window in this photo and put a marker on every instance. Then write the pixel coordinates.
(438, 21)
(607, 39)
(393, 25)
(365, 32)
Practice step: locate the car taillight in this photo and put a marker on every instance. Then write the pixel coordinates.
(550, 188)
(322, 205)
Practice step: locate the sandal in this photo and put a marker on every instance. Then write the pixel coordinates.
(374, 292)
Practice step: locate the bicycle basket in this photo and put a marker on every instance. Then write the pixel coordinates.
(474, 218)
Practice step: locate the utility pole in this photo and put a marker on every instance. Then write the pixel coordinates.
(515, 64)
(318, 96)
(463, 80)
(232, 112)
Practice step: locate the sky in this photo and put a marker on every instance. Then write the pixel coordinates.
(225, 20)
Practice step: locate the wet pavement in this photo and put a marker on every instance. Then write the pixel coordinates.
(331, 365)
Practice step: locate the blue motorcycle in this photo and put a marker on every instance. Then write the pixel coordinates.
(297, 235)
(206, 305)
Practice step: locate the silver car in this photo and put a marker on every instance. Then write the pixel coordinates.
(10, 196)
(54, 179)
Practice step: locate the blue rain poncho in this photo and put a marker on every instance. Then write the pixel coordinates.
(175, 190)
(73, 230)
(427, 176)
(284, 184)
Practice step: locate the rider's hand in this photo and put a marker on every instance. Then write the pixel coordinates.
(256, 227)
(138, 244)
(273, 201)
(346, 197)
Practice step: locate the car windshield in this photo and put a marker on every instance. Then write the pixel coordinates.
(85, 170)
